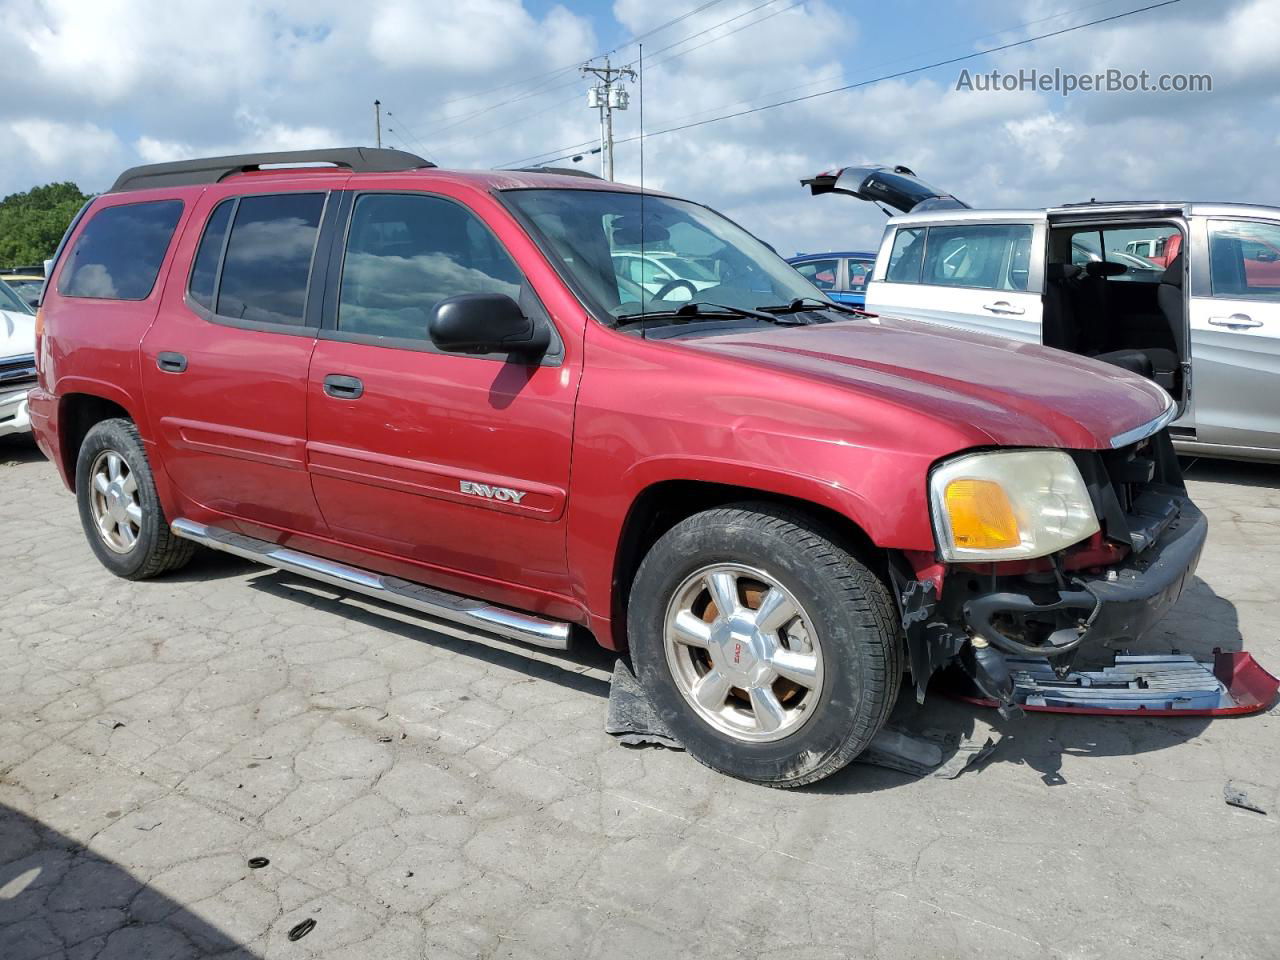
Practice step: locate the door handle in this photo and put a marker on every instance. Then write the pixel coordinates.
(1003, 306)
(171, 362)
(1237, 321)
(343, 388)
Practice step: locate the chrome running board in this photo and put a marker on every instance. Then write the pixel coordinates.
(477, 614)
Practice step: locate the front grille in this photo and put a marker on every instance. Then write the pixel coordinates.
(16, 371)
(1135, 489)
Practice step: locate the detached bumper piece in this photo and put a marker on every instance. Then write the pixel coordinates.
(1150, 685)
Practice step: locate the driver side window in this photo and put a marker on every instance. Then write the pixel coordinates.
(406, 253)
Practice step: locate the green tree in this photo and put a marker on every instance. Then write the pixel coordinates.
(32, 223)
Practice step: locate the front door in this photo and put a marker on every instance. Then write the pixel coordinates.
(457, 463)
(225, 363)
(1235, 335)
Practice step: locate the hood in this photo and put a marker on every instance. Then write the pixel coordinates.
(998, 391)
(17, 334)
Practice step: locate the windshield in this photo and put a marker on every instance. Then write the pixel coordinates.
(11, 301)
(592, 232)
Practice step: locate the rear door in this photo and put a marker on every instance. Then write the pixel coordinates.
(971, 274)
(225, 364)
(457, 463)
(1235, 333)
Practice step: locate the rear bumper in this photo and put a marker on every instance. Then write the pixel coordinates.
(1123, 604)
(14, 411)
(42, 407)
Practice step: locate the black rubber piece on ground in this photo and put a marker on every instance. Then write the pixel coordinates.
(853, 613)
(302, 929)
(157, 550)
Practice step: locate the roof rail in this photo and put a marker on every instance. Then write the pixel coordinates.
(214, 169)
(559, 171)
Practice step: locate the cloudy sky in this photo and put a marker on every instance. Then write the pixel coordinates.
(93, 87)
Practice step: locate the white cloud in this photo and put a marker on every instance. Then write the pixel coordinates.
(91, 88)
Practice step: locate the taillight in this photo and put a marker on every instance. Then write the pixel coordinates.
(39, 334)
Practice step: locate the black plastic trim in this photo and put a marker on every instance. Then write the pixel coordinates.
(215, 169)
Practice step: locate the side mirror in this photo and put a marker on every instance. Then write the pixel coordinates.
(486, 323)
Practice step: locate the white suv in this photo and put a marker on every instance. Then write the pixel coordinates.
(1186, 293)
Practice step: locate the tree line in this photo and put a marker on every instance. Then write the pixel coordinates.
(32, 223)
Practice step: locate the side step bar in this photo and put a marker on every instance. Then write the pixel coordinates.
(477, 614)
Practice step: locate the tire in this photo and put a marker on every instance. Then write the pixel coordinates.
(133, 539)
(846, 636)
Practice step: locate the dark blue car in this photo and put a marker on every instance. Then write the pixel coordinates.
(842, 275)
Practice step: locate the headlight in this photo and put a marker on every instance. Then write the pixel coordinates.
(1009, 505)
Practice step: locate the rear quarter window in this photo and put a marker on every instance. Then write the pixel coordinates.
(118, 254)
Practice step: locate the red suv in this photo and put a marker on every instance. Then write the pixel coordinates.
(433, 387)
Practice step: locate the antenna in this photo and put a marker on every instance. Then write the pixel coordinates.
(641, 83)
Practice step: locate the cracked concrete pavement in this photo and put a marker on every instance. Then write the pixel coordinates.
(422, 794)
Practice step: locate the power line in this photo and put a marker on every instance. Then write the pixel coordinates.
(729, 33)
(881, 63)
(891, 76)
(558, 71)
(545, 89)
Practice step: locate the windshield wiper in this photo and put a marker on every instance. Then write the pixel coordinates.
(693, 309)
(800, 304)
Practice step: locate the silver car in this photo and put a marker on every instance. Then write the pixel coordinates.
(1186, 293)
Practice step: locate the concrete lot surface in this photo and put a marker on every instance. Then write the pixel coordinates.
(422, 795)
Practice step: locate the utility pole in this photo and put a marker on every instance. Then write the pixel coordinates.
(606, 96)
(377, 122)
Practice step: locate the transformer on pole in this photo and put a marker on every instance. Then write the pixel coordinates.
(608, 95)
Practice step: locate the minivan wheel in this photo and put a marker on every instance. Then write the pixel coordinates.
(770, 650)
(119, 508)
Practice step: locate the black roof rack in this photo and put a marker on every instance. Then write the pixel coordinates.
(559, 171)
(214, 169)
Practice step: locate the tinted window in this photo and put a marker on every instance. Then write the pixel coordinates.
(904, 260)
(205, 268)
(977, 255)
(406, 253)
(119, 252)
(860, 273)
(264, 278)
(821, 273)
(1129, 247)
(1244, 259)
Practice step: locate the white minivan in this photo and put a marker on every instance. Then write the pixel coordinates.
(1186, 293)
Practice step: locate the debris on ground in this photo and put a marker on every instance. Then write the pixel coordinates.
(1235, 797)
(302, 929)
(257, 863)
(632, 718)
(634, 721)
(970, 752)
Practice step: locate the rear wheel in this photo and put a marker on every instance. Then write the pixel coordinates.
(119, 508)
(769, 649)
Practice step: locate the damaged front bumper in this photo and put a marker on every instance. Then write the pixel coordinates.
(983, 618)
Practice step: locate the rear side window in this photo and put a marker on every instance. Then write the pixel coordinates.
(406, 253)
(268, 258)
(821, 273)
(204, 271)
(118, 254)
(1244, 259)
(904, 259)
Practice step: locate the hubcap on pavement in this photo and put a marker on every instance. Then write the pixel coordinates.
(743, 652)
(113, 501)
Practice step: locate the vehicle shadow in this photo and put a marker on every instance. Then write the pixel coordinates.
(1236, 472)
(1201, 622)
(564, 667)
(19, 450)
(58, 899)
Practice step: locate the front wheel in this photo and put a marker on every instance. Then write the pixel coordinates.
(770, 650)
